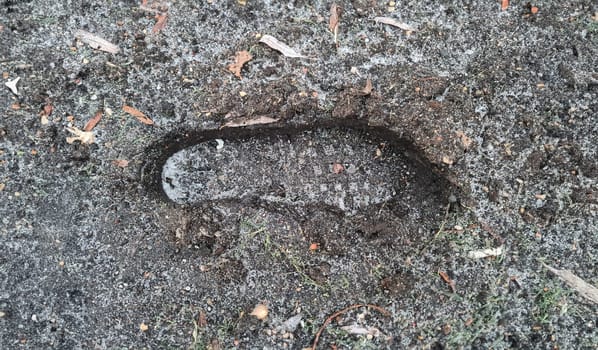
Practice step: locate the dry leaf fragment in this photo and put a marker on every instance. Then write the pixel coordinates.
(241, 58)
(447, 160)
(12, 85)
(138, 114)
(91, 123)
(465, 141)
(361, 330)
(337, 168)
(86, 137)
(160, 23)
(367, 89)
(202, 320)
(121, 163)
(484, 253)
(335, 16)
(447, 279)
(48, 108)
(504, 4)
(279, 46)
(246, 122)
(260, 312)
(96, 42)
(393, 22)
(586, 290)
(45, 113)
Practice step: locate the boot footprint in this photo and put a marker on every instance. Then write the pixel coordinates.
(344, 169)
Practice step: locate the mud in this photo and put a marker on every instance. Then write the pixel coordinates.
(492, 111)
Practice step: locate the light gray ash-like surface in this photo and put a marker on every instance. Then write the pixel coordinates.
(343, 169)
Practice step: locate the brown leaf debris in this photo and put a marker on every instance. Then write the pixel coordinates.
(45, 113)
(138, 114)
(337, 168)
(160, 23)
(367, 89)
(121, 163)
(465, 140)
(91, 123)
(445, 277)
(241, 58)
(335, 17)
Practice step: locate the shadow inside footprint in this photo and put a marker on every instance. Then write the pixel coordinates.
(349, 170)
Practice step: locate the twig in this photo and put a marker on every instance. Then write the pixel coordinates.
(338, 313)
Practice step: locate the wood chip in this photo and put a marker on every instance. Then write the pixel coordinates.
(138, 114)
(91, 123)
(279, 46)
(586, 290)
(96, 42)
(393, 22)
(246, 122)
(241, 58)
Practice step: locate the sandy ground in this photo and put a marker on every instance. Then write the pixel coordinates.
(494, 109)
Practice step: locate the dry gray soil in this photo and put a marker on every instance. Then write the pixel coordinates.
(480, 131)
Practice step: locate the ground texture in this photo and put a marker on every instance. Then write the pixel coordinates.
(479, 129)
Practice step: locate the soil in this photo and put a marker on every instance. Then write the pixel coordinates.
(297, 185)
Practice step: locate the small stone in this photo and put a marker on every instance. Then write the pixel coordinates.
(260, 312)
(447, 160)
